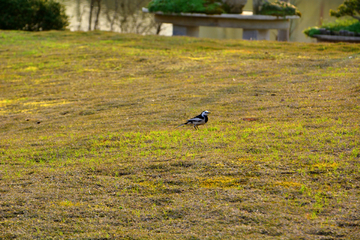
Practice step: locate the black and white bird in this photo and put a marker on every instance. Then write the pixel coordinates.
(198, 120)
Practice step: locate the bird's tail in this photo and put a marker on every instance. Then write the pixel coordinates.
(181, 125)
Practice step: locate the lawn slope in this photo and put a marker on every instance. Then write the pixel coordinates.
(89, 147)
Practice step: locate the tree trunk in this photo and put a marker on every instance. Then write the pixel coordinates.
(96, 24)
(158, 28)
(90, 13)
(78, 14)
(114, 16)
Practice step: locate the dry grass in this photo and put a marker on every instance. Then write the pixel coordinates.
(89, 149)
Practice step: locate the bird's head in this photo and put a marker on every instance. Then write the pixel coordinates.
(205, 113)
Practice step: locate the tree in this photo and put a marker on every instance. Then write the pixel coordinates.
(126, 16)
(348, 8)
(92, 3)
(32, 15)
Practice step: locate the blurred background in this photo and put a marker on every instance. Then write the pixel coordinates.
(126, 16)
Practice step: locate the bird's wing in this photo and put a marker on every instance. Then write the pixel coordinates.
(195, 120)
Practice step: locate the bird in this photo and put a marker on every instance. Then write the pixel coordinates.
(198, 120)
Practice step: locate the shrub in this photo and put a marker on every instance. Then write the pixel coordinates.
(351, 25)
(279, 9)
(189, 6)
(32, 15)
(311, 31)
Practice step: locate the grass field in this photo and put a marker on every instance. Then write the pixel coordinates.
(89, 148)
